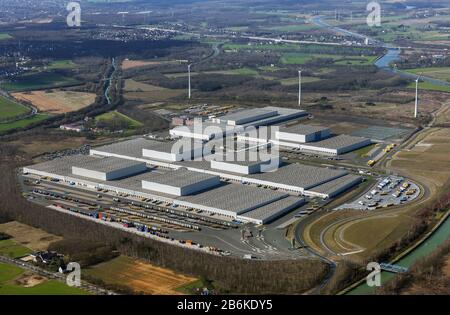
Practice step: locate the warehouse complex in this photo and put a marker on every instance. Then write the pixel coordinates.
(218, 127)
(188, 174)
(311, 139)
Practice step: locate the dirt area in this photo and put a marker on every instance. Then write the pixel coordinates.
(37, 145)
(156, 95)
(135, 86)
(33, 238)
(415, 162)
(57, 101)
(129, 64)
(390, 106)
(140, 276)
(28, 280)
(446, 269)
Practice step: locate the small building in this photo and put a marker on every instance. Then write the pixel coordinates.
(77, 127)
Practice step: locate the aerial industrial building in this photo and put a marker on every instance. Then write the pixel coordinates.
(180, 182)
(197, 191)
(302, 133)
(235, 122)
(246, 116)
(109, 168)
(235, 188)
(311, 139)
(337, 145)
(245, 163)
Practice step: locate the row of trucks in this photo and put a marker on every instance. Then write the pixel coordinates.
(387, 149)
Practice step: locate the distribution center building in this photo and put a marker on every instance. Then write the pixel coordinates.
(337, 145)
(246, 165)
(180, 182)
(109, 168)
(302, 133)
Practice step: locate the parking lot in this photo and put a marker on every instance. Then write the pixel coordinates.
(387, 192)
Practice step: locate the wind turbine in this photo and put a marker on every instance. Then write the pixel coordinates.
(189, 76)
(416, 107)
(299, 87)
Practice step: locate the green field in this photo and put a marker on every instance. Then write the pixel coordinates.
(23, 122)
(430, 87)
(441, 73)
(61, 64)
(132, 123)
(293, 28)
(10, 109)
(39, 81)
(295, 59)
(4, 36)
(237, 28)
(190, 288)
(299, 59)
(8, 286)
(294, 81)
(281, 46)
(13, 250)
(269, 68)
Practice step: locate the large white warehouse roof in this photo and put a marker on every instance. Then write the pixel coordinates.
(108, 168)
(180, 182)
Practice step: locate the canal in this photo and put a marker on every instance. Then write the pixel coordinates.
(430, 244)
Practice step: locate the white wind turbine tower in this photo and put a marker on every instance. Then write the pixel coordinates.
(189, 78)
(299, 87)
(416, 107)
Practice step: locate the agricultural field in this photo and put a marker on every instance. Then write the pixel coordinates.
(143, 92)
(298, 58)
(293, 28)
(39, 81)
(61, 64)
(139, 276)
(28, 236)
(10, 109)
(136, 86)
(4, 36)
(115, 115)
(433, 146)
(12, 249)
(17, 281)
(441, 73)
(430, 87)
(130, 64)
(57, 101)
(23, 122)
